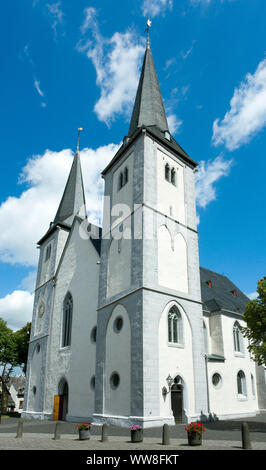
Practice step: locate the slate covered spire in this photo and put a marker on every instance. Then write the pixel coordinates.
(148, 108)
(73, 199)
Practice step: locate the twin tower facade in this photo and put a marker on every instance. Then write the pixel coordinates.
(117, 331)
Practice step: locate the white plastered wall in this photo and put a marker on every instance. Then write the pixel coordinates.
(224, 399)
(170, 197)
(172, 260)
(117, 401)
(78, 274)
(176, 360)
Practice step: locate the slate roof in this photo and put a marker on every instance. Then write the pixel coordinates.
(220, 295)
(73, 198)
(148, 109)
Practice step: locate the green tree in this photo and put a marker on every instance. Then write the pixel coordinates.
(22, 338)
(8, 358)
(255, 318)
(13, 353)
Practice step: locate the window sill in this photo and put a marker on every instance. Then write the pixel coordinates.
(176, 345)
(239, 354)
(242, 397)
(64, 348)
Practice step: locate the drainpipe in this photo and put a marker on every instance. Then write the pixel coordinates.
(207, 383)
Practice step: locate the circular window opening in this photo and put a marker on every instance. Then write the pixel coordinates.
(34, 390)
(118, 324)
(94, 334)
(93, 382)
(114, 380)
(216, 380)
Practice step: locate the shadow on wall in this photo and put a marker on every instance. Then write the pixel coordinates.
(255, 423)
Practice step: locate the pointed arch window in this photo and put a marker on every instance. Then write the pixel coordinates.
(173, 176)
(67, 320)
(121, 180)
(167, 172)
(175, 327)
(241, 384)
(238, 340)
(125, 175)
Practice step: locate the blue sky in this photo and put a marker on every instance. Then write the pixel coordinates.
(67, 64)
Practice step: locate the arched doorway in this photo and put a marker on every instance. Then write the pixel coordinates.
(63, 403)
(177, 400)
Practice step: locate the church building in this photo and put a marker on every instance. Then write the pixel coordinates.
(127, 328)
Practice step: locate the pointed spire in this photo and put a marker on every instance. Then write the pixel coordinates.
(73, 199)
(148, 108)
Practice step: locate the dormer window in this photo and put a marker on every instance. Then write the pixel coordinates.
(167, 135)
(209, 284)
(234, 292)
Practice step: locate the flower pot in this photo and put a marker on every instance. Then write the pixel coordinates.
(84, 434)
(194, 438)
(137, 435)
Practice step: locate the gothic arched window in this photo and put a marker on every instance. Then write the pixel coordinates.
(174, 326)
(125, 175)
(173, 176)
(238, 341)
(241, 383)
(67, 320)
(167, 172)
(121, 181)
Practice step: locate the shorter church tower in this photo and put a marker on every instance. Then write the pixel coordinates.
(51, 247)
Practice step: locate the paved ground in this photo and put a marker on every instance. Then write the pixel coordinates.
(39, 435)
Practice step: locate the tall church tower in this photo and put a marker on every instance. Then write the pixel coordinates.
(150, 366)
(51, 247)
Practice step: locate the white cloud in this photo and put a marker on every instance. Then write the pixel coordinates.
(25, 219)
(247, 115)
(152, 8)
(56, 15)
(201, 2)
(37, 86)
(186, 53)
(16, 308)
(174, 123)
(207, 175)
(253, 295)
(117, 62)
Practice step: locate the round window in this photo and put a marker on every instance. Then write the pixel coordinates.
(216, 380)
(94, 334)
(118, 324)
(114, 380)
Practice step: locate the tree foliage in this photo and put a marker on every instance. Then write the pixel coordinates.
(255, 318)
(13, 353)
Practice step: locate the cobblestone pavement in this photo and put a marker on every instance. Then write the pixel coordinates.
(33, 441)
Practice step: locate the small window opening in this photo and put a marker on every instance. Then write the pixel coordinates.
(209, 283)
(167, 172)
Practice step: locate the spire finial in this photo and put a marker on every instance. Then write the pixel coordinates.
(79, 130)
(147, 30)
